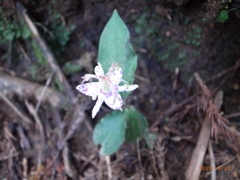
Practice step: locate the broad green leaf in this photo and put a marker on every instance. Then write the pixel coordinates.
(110, 132)
(115, 46)
(136, 125)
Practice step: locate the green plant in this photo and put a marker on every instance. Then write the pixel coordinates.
(36, 69)
(12, 29)
(71, 67)
(160, 47)
(193, 37)
(60, 30)
(223, 14)
(114, 128)
(115, 52)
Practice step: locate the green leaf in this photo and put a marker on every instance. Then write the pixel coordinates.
(136, 125)
(115, 46)
(71, 67)
(223, 16)
(150, 139)
(25, 32)
(110, 132)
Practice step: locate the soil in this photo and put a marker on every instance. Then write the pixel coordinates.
(173, 40)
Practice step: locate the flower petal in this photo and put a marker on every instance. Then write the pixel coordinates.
(87, 77)
(89, 89)
(99, 70)
(97, 107)
(126, 88)
(114, 101)
(115, 74)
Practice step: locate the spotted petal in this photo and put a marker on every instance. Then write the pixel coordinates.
(97, 107)
(126, 88)
(89, 89)
(115, 74)
(99, 70)
(114, 101)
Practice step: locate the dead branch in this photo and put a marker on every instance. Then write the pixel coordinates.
(109, 168)
(25, 120)
(24, 141)
(78, 113)
(194, 170)
(69, 168)
(205, 95)
(213, 124)
(230, 69)
(140, 159)
(6, 157)
(24, 88)
(41, 132)
(75, 110)
(232, 115)
(212, 160)
(173, 109)
(224, 164)
(219, 124)
(37, 120)
(47, 53)
(159, 153)
(43, 92)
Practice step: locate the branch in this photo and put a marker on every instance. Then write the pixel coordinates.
(23, 88)
(194, 170)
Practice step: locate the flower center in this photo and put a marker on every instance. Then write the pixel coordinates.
(106, 86)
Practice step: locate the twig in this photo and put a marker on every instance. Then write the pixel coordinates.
(143, 79)
(232, 115)
(159, 152)
(45, 29)
(230, 69)
(4, 158)
(24, 53)
(37, 119)
(212, 161)
(41, 130)
(69, 168)
(89, 161)
(155, 165)
(176, 78)
(224, 164)
(9, 59)
(25, 119)
(219, 74)
(173, 109)
(43, 92)
(24, 141)
(139, 158)
(25, 168)
(71, 131)
(109, 169)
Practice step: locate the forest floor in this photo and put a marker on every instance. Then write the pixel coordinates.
(189, 90)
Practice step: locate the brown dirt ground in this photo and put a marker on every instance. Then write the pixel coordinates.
(166, 36)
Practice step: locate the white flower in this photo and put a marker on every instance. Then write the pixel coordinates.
(106, 89)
